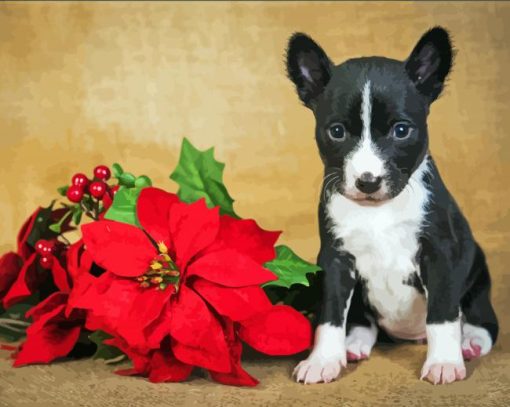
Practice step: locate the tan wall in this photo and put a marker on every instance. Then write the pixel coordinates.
(82, 84)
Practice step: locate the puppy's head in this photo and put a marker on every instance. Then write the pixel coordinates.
(370, 112)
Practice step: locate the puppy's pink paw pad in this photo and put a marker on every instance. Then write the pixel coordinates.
(353, 357)
(471, 351)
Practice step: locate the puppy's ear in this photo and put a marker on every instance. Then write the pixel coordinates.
(430, 62)
(308, 67)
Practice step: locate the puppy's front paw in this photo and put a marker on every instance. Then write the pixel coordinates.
(317, 369)
(442, 373)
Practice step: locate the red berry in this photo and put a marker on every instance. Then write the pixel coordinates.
(80, 180)
(75, 193)
(102, 172)
(97, 189)
(46, 262)
(40, 246)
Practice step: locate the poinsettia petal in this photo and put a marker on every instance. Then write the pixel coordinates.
(237, 376)
(202, 357)
(280, 331)
(47, 306)
(118, 247)
(246, 237)
(153, 212)
(166, 368)
(193, 227)
(60, 276)
(159, 328)
(24, 249)
(230, 268)
(24, 285)
(10, 266)
(47, 339)
(140, 360)
(234, 303)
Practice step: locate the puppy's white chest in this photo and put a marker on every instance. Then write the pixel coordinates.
(384, 241)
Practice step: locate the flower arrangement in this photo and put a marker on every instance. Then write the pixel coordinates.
(170, 281)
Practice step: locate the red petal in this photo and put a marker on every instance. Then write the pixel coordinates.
(79, 261)
(193, 227)
(47, 339)
(140, 359)
(229, 268)
(47, 306)
(280, 331)
(246, 237)
(202, 357)
(24, 249)
(234, 303)
(60, 276)
(153, 211)
(166, 368)
(237, 376)
(118, 247)
(10, 266)
(24, 285)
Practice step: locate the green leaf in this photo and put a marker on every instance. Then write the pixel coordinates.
(143, 181)
(63, 190)
(127, 179)
(106, 352)
(40, 229)
(123, 208)
(17, 313)
(55, 228)
(117, 170)
(290, 268)
(77, 214)
(199, 175)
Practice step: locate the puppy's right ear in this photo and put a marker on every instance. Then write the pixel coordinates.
(308, 67)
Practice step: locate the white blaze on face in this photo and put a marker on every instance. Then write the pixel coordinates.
(364, 158)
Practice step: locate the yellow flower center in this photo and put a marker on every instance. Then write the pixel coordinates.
(162, 271)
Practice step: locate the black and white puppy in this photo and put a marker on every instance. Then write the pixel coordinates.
(396, 251)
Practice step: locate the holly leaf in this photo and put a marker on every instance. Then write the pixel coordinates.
(117, 170)
(289, 268)
(40, 229)
(123, 207)
(199, 175)
(63, 190)
(77, 214)
(110, 354)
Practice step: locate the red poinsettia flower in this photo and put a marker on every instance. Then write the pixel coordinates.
(53, 332)
(19, 273)
(185, 290)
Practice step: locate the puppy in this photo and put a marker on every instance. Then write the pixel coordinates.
(397, 253)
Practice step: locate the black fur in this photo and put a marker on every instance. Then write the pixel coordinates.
(452, 265)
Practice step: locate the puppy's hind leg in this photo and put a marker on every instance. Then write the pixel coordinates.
(480, 325)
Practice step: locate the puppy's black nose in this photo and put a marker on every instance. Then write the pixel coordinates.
(367, 183)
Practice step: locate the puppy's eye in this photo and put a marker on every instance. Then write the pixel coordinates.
(401, 130)
(336, 131)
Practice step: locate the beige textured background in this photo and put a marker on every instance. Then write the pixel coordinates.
(82, 84)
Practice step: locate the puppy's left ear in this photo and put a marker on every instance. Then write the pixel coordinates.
(308, 67)
(430, 62)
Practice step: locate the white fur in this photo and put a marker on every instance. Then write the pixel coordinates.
(477, 335)
(384, 240)
(328, 354)
(361, 339)
(364, 157)
(444, 344)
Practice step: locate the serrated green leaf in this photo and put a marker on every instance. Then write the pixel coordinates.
(127, 179)
(123, 208)
(289, 268)
(106, 352)
(199, 175)
(117, 170)
(63, 190)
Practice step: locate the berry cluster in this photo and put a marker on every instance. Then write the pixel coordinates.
(81, 185)
(45, 248)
